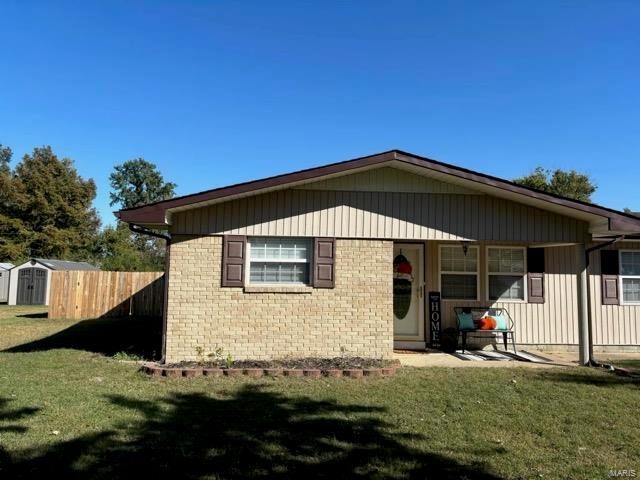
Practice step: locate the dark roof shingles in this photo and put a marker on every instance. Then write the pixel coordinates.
(65, 264)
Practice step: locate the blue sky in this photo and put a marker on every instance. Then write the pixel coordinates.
(217, 92)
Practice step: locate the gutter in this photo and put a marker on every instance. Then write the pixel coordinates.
(592, 362)
(145, 231)
(602, 245)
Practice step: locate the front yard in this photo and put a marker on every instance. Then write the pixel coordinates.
(68, 408)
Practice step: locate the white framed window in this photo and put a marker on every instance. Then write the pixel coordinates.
(459, 273)
(506, 271)
(273, 260)
(630, 276)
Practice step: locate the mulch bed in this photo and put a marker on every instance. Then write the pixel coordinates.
(303, 363)
(352, 367)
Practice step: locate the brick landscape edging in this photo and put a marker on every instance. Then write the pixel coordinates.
(154, 370)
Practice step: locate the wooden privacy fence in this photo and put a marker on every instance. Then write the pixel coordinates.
(93, 294)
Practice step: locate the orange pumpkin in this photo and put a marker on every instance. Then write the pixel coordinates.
(487, 323)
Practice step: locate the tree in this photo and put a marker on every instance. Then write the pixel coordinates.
(13, 232)
(118, 250)
(5, 177)
(46, 209)
(134, 183)
(137, 182)
(5, 158)
(570, 184)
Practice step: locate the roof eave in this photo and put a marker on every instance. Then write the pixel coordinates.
(157, 215)
(624, 226)
(146, 216)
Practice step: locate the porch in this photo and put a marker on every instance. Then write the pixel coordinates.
(538, 284)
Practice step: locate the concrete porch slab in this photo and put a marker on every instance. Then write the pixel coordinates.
(435, 358)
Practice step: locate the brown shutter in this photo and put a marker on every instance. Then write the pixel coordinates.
(324, 252)
(609, 271)
(234, 253)
(535, 275)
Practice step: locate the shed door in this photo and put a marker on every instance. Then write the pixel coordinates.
(32, 286)
(25, 282)
(4, 286)
(39, 286)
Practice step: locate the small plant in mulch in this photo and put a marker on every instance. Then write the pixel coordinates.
(216, 358)
(308, 363)
(127, 357)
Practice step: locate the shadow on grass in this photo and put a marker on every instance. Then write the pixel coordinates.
(246, 434)
(135, 335)
(589, 376)
(33, 315)
(8, 415)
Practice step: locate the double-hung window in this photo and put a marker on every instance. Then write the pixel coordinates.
(279, 260)
(458, 272)
(506, 273)
(630, 276)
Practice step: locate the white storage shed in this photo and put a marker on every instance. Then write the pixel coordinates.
(4, 281)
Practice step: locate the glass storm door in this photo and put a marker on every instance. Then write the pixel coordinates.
(408, 292)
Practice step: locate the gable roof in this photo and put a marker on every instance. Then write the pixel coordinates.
(65, 264)
(603, 221)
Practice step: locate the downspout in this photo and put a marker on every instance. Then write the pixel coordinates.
(145, 231)
(592, 361)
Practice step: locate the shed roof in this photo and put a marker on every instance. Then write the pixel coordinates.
(65, 264)
(603, 221)
(6, 266)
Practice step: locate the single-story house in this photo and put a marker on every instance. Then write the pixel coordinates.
(4, 281)
(29, 282)
(306, 263)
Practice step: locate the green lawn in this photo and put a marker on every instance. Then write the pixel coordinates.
(67, 408)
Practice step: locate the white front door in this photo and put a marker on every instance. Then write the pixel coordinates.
(408, 295)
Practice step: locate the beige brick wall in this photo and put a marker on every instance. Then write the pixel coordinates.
(354, 318)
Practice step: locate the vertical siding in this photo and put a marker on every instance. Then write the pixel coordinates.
(552, 323)
(556, 321)
(384, 215)
(612, 324)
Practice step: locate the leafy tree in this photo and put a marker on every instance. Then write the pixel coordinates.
(5, 158)
(570, 184)
(5, 178)
(134, 183)
(118, 251)
(137, 182)
(46, 208)
(13, 232)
